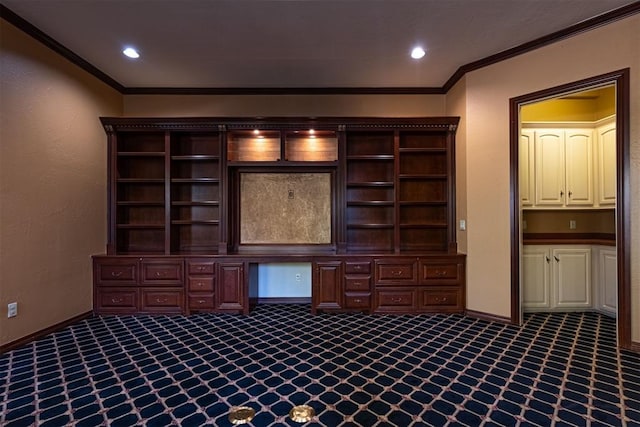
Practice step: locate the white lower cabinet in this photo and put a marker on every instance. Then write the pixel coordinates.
(556, 278)
(605, 271)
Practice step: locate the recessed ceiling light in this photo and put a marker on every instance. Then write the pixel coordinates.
(417, 53)
(131, 53)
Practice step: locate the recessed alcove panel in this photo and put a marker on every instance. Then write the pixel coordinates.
(285, 208)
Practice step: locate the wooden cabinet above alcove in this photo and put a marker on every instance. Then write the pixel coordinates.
(174, 189)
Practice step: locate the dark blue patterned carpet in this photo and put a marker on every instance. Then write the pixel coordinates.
(352, 369)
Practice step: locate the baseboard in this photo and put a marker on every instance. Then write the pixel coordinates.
(487, 316)
(44, 332)
(285, 300)
(635, 347)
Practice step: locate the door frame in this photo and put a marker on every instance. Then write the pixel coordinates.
(623, 206)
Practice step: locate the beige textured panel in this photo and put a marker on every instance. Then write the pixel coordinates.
(285, 208)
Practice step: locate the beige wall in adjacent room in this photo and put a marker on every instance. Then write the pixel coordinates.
(52, 183)
(488, 90)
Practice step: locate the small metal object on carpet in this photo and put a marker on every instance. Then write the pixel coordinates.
(302, 413)
(241, 415)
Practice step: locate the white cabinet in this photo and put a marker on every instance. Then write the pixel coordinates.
(563, 167)
(606, 276)
(606, 154)
(526, 167)
(556, 278)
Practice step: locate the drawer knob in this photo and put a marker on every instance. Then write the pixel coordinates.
(116, 273)
(117, 300)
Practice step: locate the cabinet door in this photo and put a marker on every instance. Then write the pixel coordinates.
(525, 167)
(549, 167)
(327, 276)
(578, 166)
(572, 277)
(607, 165)
(608, 281)
(535, 278)
(231, 294)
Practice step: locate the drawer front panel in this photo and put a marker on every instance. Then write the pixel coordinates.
(398, 272)
(201, 302)
(439, 271)
(357, 283)
(162, 300)
(114, 273)
(357, 300)
(201, 284)
(116, 300)
(357, 267)
(162, 273)
(198, 266)
(442, 299)
(395, 300)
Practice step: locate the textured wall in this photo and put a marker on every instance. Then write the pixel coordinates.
(52, 184)
(287, 208)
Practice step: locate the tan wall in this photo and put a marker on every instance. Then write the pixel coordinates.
(283, 105)
(488, 91)
(52, 183)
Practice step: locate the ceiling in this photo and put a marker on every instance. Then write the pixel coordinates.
(296, 43)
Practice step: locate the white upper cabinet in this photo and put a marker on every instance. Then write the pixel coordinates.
(606, 136)
(563, 167)
(526, 167)
(579, 167)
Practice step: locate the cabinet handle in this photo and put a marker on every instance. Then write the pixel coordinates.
(201, 268)
(161, 273)
(357, 267)
(357, 300)
(556, 258)
(161, 299)
(396, 299)
(443, 299)
(561, 193)
(116, 273)
(547, 259)
(396, 273)
(199, 284)
(441, 273)
(570, 193)
(201, 301)
(117, 300)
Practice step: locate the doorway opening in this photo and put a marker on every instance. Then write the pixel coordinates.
(556, 200)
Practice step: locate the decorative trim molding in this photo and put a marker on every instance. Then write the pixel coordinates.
(488, 317)
(44, 332)
(589, 24)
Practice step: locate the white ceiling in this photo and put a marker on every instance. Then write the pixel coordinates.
(296, 43)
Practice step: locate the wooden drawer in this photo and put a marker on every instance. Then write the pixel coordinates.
(440, 273)
(200, 284)
(357, 267)
(201, 302)
(158, 273)
(116, 271)
(116, 300)
(402, 272)
(162, 300)
(395, 300)
(442, 299)
(200, 266)
(357, 283)
(358, 300)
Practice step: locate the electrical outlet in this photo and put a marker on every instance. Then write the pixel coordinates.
(12, 309)
(572, 224)
(298, 277)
